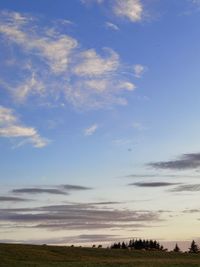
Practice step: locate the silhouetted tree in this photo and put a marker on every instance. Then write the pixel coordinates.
(151, 244)
(139, 244)
(124, 246)
(130, 245)
(176, 249)
(116, 245)
(193, 247)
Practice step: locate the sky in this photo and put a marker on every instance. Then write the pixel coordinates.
(99, 121)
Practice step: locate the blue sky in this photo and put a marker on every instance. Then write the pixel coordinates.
(99, 115)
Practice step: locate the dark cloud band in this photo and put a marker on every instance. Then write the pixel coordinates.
(56, 190)
(12, 199)
(39, 191)
(187, 188)
(185, 161)
(77, 216)
(152, 184)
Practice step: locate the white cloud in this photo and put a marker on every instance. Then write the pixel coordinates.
(16, 131)
(138, 70)
(92, 64)
(130, 9)
(38, 141)
(91, 130)
(29, 86)
(98, 85)
(10, 127)
(127, 86)
(96, 93)
(54, 50)
(6, 116)
(111, 26)
(52, 68)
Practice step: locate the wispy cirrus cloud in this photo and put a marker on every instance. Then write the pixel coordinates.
(93, 65)
(53, 67)
(91, 130)
(30, 86)
(10, 127)
(112, 26)
(132, 10)
(129, 9)
(53, 48)
(138, 70)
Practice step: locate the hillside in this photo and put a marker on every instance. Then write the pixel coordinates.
(15, 255)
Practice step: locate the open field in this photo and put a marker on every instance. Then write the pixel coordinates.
(12, 255)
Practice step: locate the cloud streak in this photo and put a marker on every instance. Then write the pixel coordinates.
(39, 191)
(153, 184)
(160, 175)
(77, 216)
(70, 187)
(10, 127)
(184, 162)
(112, 26)
(187, 188)
(12, 199)
(56, 190)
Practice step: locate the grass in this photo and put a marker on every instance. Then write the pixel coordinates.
(15, 255)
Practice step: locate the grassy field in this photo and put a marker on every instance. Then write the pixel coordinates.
(12, 255)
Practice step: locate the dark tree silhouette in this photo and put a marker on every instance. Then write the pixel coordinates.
(139, 244)
(116, 245)
(193, 247)
(176, 249)
(124, 246)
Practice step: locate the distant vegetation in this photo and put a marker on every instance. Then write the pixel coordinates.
(140, 244)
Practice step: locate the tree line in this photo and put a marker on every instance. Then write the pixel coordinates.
(146, 244)
(138, 244)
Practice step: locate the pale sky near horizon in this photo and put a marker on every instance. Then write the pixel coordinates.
(99, 120)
